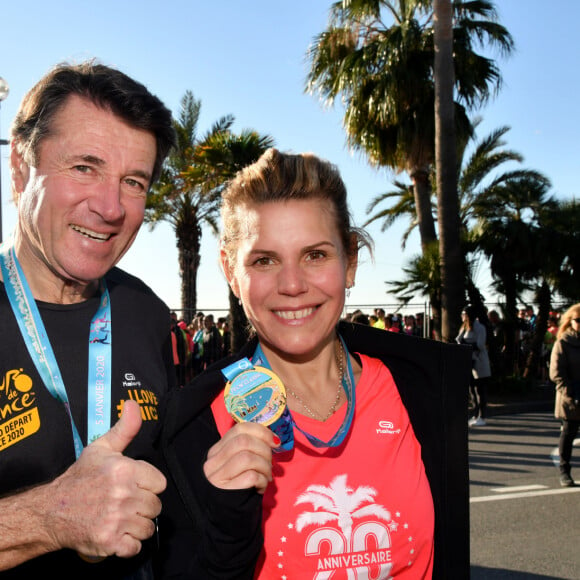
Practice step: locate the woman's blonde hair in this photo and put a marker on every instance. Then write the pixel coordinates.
(566, 319)
(280, 176)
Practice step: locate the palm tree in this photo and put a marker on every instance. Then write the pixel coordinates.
(215, 162)
(185, 205)
(188, 193)
(562, 227)
(339, 503)
(509, 232)
(451, 258)
(403, 206)
(422, 278)
(478, 178)
(556, 247)
(384, 77)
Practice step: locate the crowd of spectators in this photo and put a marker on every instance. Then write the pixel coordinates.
(394, 321)
(206, 339)
(198, 344)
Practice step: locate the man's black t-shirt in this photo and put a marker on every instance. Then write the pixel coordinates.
(36, 442)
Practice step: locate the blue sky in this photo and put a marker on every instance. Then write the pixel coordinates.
(247, 58)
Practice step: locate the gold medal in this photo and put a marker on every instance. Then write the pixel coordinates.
(258, 395)
(255, 395)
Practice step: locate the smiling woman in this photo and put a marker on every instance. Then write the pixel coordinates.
(345, 493)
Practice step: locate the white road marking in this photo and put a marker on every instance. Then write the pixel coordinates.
(514, 488)
(524, 494)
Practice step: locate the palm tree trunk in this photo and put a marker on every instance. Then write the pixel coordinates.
(188, 250)
(450, 255)
(422, 195)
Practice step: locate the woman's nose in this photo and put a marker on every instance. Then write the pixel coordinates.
(292, 280)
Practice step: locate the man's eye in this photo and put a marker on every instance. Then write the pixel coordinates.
(135, 184)
(263, 261)
(82, 168)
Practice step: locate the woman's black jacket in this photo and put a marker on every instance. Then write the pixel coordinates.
(215, 534)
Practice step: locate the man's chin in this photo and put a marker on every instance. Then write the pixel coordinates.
(86, 275)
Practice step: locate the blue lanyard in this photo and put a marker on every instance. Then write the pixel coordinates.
(259, 358)
(40, 350)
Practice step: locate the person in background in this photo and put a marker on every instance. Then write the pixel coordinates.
(547, 345)
(188, 333)
(393, 323)
(553, 323)
(192, 328)
(523, 339)
(223, 325)
(175, 351)
(419, 321)
(180, 349)
(410, 326)
(380, 318)
(79, 492)
(355, 485)
(197, 357)
(212, 342)
(496, 342)
(360, 318)
(473, 333)
(531, 317)
(565, 374)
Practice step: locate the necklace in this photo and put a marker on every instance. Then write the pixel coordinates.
(332, 410)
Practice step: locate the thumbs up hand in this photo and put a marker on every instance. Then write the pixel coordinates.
(105, 502)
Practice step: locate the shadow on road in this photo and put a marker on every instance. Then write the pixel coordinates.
(483, 573)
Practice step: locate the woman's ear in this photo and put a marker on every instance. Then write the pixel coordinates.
(352, 263)
(228, 270)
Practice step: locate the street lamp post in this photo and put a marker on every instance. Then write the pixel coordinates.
(4, 90)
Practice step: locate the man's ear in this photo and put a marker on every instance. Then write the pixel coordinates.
(19, 171)
(228, 270)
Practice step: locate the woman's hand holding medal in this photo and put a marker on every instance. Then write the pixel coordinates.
(242, 459)
(256, 400)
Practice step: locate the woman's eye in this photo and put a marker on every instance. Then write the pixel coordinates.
(263, 261)
(316, 255)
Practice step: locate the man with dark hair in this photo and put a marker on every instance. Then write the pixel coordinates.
(85, 348)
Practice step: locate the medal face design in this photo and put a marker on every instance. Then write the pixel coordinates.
(255, 395)
(258, 395)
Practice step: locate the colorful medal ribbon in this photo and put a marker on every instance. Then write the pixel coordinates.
(256, 394)
(348, 386)
(40, 350)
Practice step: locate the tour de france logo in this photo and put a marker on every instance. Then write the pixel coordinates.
(18, 416)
